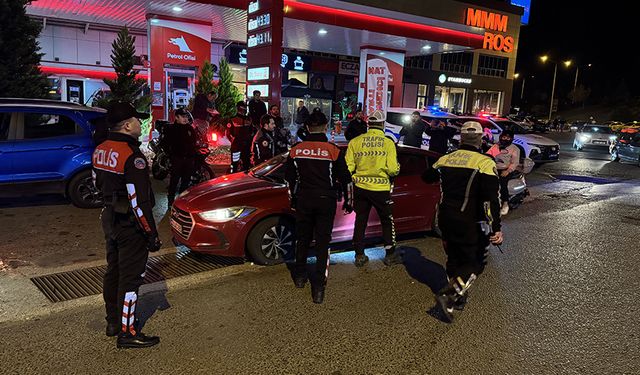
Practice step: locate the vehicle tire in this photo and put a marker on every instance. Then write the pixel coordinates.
(82, 193)
(206, 172)
(614, 155)
(272, 241)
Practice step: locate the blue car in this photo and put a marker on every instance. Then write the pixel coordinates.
(48, 144)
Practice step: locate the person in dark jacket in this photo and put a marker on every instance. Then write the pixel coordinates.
(313, 169)
(180, 143)
(121, 173)
(264, 145)
(439, 135)
(281, 135)
(302, 113)
(356, 127)
(240, 132)
(257, 109)
(413, 131)
(468, 215)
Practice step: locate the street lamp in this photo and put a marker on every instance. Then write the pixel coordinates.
(567, 63)
(524, 79)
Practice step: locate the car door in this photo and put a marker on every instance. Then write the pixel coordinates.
(6, 146)
(413, 200)
(46, 141)
(624, 146)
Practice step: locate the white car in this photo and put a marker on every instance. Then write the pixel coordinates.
(398, 117)
(533, 146)
(593, 135)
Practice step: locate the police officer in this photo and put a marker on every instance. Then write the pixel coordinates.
(264, 146)
(372, 161)
(468, 215)
(257, 108)
(240, 132)
(122, 175)
(180, 143)
(312, 169)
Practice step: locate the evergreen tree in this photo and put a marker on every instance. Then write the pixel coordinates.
(205, 81)
(20, 75)
(228, 94)
(126, 87)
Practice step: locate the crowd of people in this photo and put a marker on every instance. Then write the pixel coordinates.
(318, 173)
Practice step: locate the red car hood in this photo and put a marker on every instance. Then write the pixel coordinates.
(219, 191)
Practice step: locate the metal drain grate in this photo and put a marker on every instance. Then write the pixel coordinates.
(85, 282)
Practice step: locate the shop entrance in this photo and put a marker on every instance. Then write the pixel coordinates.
(179, 89)
(450, 98)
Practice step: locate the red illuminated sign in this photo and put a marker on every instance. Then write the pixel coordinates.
(495, 22)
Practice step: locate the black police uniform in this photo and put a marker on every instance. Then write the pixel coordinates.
(122, 175)
(413, 133)
(439, 138)
(355, 128)
(312, 169)
(241, 132)
(264, 147)
(180, 143)
(469, 211)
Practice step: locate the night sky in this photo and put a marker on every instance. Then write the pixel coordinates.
(601, 33)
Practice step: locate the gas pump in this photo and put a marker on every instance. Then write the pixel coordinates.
(179, 88)
(180, 98)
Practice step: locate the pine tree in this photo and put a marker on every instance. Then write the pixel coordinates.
(20, 75)
(205, 81)
(228, 94)
(126, 87)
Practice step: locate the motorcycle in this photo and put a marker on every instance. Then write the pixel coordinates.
(518, 185)
(160, 163)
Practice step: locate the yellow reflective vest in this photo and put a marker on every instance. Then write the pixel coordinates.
(372, 160)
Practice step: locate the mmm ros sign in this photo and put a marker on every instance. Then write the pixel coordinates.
(492, 21)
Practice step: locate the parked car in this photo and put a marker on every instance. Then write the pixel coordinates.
(538, 148)
(627, 147)
(49, 143)
(593, 136)
(248, 214)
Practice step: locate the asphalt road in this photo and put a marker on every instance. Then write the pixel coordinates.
(562, 299)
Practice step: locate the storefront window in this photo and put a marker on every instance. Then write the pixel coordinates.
(422, 96)
(239, 73)
(300, 76)
(487, 101)
(450, 99)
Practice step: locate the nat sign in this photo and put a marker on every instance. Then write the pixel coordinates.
(492, 21)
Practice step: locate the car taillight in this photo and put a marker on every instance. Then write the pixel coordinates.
(213, 137)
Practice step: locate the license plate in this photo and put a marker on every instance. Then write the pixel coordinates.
(600, 142)
(176, 226)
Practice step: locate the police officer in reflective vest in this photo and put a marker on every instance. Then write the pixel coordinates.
(122, 174)
(469, 215)
(313, 169)
(372, 161)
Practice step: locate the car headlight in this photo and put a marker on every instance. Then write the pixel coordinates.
(585, 137)
(613, 138)
(222, 215)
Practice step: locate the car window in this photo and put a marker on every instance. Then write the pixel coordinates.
(47, 125)
(272, 168)
(411, 164)
(5, 124)
(399, 119)
(510, 125)
(597, 129)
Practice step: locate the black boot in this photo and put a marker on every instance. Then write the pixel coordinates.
(361, 260)
(392, 257)
(317, 294)
(139, 340)
(300, 281)
(113, 329)
(446, 302)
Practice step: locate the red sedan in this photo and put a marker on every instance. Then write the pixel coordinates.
(248, 213)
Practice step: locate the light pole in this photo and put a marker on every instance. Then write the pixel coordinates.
(575, 83)
(567, 63)
(524, 79)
